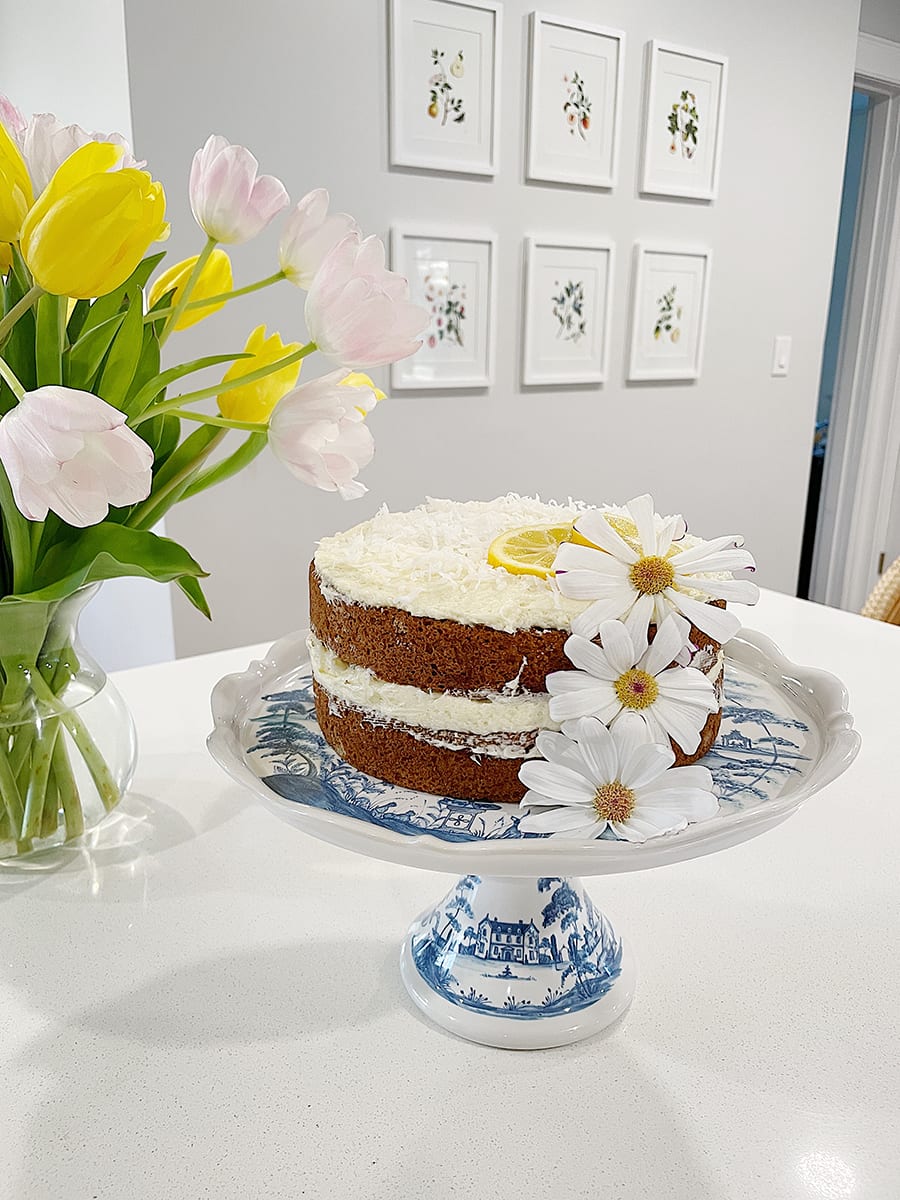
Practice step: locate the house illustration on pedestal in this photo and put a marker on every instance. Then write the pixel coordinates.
(507, 941)
(735, 740)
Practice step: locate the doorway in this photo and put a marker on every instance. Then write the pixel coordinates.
(855, 461)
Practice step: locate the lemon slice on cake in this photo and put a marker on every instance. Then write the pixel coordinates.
(528, 550)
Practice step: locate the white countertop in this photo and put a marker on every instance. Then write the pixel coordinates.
(201, 1005)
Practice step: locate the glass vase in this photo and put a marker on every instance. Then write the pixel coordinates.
(68, 747)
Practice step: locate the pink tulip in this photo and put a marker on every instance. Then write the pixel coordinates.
(357, 312)
(230, 201)
(318, 431)
(72, 453)
(46, 143)
(309, 234)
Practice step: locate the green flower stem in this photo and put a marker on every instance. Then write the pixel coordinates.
(12, 799)
(217, 389)
(50, 819)
(11, 380)
(30, 298)
(181, 304)
(96, 764)
(222, 422)
(39, 775)
(156, 506)
(69, 800)
(161, 313)
(17, 535)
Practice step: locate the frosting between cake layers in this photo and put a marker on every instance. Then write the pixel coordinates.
(432, 562)
(481, 715)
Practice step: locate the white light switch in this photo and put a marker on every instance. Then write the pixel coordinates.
(781, 356)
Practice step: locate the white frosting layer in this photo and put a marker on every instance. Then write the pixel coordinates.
(432, 562)
(434, 711)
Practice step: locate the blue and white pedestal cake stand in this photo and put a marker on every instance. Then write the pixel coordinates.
(516, 955)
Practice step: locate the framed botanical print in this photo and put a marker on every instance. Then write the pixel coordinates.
(450, 273)
(568, 288)
(685, 110)
(444, 84)
(668, 322)
(574, 102)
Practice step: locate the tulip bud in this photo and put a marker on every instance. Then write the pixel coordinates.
(308, 236)
(92, 224)
(214, 279)
(255, 401)
(357, 312)
(230, 202)
(71, 453)
(319, 433)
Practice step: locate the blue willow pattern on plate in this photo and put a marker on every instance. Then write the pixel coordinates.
(759, 748)
(559, 958)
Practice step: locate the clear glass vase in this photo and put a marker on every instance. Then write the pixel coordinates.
(68, 747)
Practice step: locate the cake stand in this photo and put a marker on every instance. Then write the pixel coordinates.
(516, 955)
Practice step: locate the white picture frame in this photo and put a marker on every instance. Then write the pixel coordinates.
(444, 75)
(451, 273)
(574, 101)
(684, 120)
(567, 312)
(668, 319)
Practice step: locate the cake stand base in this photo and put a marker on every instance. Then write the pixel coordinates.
(523, 964)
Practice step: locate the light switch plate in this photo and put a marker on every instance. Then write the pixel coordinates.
(781, 355)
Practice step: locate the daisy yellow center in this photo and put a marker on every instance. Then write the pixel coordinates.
(652, 575)
(614, 801)
(636, 689)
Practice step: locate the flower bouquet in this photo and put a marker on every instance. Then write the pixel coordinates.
(98, 440)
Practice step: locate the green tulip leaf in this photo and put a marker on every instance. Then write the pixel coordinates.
(124, 354)
(108, 306)
(82, 361)
(194, 592)
(76, 321)
(107, 551)
(253, 445)
(139, 403)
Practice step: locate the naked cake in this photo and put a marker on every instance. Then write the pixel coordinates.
(430, 665)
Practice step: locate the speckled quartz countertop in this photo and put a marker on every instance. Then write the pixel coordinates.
(199, 1005)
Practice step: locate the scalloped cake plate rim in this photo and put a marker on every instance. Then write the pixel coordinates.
(819, 695)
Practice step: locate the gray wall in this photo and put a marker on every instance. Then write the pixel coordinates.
(882, 18)
(304, 85)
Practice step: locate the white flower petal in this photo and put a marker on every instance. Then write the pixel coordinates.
(689, 559)
(717, 623)
(595, 527)
(587, 624)
(629, 732)
(671, 638)
(559, 749)
(637, 622)
(573, 557)
(665, 537)
(600, 701)
(559, 783)
(693, 776)
(641, 511)
(591, 658)
(646, 764)
(598, 749)
(653, 821)
(681, 723)
(589, 585)
(618, 647)
(553, 820)
(560, 682)
(742, 591)
(579, 835)
(687, 685)
(693, 804)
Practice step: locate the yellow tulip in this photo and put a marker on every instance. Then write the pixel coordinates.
(92, 225)
(16, 196)
(214, 279)
(255, 401)
(5, 257)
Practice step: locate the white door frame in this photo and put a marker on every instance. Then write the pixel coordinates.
(864, 435)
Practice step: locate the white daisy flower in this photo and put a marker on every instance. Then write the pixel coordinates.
(642, 585)
(614, 678)
(611, 778)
